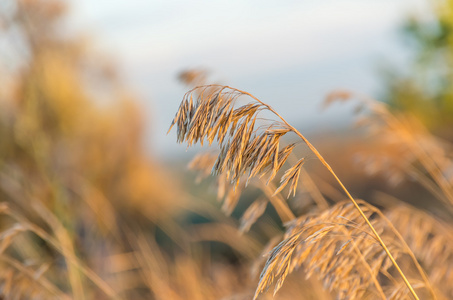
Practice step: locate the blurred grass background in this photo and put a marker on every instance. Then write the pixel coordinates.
(87, 211)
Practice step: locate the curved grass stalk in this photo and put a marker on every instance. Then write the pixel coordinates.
(368, 268)
(409, 251)
(406, 246)
(216, 117)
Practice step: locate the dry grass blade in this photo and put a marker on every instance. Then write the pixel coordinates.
(230, 194)
(231, 199)
(291, 175)
(202, 163)
(255, 210)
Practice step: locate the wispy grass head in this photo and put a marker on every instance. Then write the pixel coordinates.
(249, 145)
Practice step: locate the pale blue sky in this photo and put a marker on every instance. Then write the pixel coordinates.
(288, 53)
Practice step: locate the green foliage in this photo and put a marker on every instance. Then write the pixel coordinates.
(426, 90)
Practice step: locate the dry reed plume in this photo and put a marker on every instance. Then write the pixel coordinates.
(335, 247)
(430, 240)
(250, 146)
(403, 148)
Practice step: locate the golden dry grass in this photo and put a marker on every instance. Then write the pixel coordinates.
(86, 214)
(335, 250)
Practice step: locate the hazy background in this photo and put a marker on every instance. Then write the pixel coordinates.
(290, 54)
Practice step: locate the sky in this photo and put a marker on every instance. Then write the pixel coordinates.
(290, 54)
